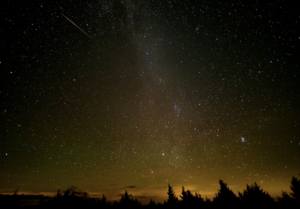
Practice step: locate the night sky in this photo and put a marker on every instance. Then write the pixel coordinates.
(146, 93)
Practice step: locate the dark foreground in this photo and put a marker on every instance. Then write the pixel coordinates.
(252, 196)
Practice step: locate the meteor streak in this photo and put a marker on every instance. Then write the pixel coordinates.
(76, 26)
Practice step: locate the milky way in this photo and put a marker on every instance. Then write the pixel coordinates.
(165, 92)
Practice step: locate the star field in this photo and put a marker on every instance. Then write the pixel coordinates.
(162, 92)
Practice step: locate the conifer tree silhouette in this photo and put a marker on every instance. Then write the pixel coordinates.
(183, 195)
(67, 192)
(225, 195)
(125, 199)
(151, 203)
(253, 195)
(103, 201)
(207, 203)
(172, 199)
(286, 200)
(295, 187)
(129, 203)
(58, 194)
(199, 200)
(188, 199)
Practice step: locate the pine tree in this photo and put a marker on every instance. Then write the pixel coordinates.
(103, 200)
(284, 198)
(126, 196)
(253, 195)
(152, 203)
(58, 194)
(295, 187)
(172, 199)
(183, 195)
(225, 195)
(125, 199)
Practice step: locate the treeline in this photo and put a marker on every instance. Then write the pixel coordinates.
(252, 196)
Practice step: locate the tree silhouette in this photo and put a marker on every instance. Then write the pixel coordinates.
(172, 199)
(253, 195)
(125, 199)
(207, 203)
(188, 199)
(295, 187)
(103, 201)
(67, 192)
(58, 194)
(199, 199)
(129, 203)
(151, 204)
(16, 191)
(183, 195)
(225, 195)
(286, 200)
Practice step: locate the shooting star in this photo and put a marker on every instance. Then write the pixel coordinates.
(76, 26)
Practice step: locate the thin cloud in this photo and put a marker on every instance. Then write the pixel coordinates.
(141, 197)
(130, 195)
(130, 187)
